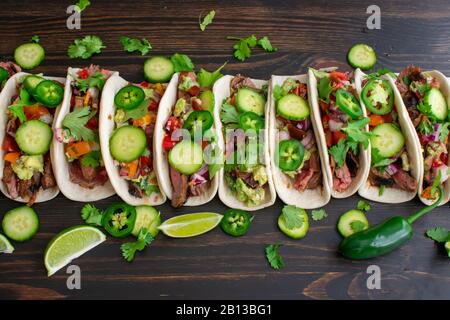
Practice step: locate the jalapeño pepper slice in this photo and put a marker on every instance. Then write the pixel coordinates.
(235, 222)
(289, 155)
(348, 103)
(49, 93)
(119, 220)
(378, 96)
(129, 97)
(199, 120)
(250, 120)
(3, 75)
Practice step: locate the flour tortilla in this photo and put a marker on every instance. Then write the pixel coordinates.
(72, 191)
(222, 91)
(445, 89)
(8, 92)
(107, 126)
(412, 143)
(161, 163)
(309, 198)
(364, 163)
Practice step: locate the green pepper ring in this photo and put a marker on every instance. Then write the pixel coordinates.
(114, 209)
(348, 103)
(129, 97)
(235, 222)
(49, 93)
(384, 109)
(203, 116)
(291, 149)
(3, 75)
(250, 120)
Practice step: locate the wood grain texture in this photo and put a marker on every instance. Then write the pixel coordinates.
(214, 266)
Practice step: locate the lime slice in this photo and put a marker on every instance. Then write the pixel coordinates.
(190, 225)
(5, 245)
(69, 244)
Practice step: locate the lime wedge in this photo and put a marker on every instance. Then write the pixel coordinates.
(5, 245)
(69, 244)
(190, 225)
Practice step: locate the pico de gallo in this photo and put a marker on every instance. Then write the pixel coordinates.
(190, 174)
(7, 70)
(27, 165)
(427, 107)
(343, 124)
(243, 114)
(297, 153)
(390, 161)
(131, 144)
(79, 131)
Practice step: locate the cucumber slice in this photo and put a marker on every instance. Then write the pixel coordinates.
(158, 69)
(29, 55)
(186, 157)
(34, 137)
(388, 139)
(249, 100)
(351, 222)
(146, 217)
(20, 224)
(436, 99)
(362, 56)
(127, 143)
(31, 82)
(296, 233)
(293, 107)
(207, 98)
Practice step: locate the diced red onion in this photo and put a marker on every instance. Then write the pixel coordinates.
(306, 141)
(335, 125)
(392, 169)
(283, 135)
(303, 125)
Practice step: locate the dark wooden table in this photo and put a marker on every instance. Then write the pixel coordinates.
(214, 266)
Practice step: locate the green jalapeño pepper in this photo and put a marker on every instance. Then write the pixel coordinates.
(3, 75)
(129, 97)
(383, 238)
(49, 93)
(235, 222)
(378, 96)
(348, 103)
(251, 121)
(199, 120)
(289, 155)
(119, 220)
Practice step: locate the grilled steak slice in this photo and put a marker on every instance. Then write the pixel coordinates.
(47, 179)
(378, 178)
(404, 181)
(10, 180)
(179, 188)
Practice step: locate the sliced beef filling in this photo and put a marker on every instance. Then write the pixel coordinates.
(179, 188)
(87, 177)
(309, 177)
(10, 180)
(401, 179)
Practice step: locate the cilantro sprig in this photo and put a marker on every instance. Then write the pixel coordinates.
(438, 234)
(273, 256)
(17, 108)
(75, 122)
(134, 44)
(129, 249)
(318, 214)
(92, 215)
(86, 47)
(292, 217)
(207, 20)
(207, 79)
(243, 47)
(95, 80)
(182, 62)
(81, 5)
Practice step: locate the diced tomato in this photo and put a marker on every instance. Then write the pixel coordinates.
(328, 138)
(144, 161)
(92, 123)
(144, 84)
(323, 106)
(436, 163)
(11, 157)
(325, 121)
(153, 106)
(35, 112)
(444, 157)
(83, 74)
(338, 135)
(168, 143)
(194, 91)
(336, 86)
(173, 123)
(375, 120)
(336, 76)
(9, 144)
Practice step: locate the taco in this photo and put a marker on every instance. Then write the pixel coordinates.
(185, 137)
(298, 172)
(242, 115)
(426, 97)
(28, 104)
(126, 128)
(342, 127)
(78, 165)
(395, 160)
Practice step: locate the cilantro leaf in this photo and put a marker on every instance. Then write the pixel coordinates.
(264, 43)
(318, 214)
(378, 161)
(363, 205)
(425, 108)
(82, 4)
(86, 47)
(138, 112)
(381, 190)
(207, 20)
(325, 89)
(92, 159)
(425, 126)
(438, 234)
(35, 39)
(278, 92)
(355, 131)
(75, 122)
(292, 216)
(207, 79)
(243, 47)
(443, 131)
(134, 44)
(229, 113)
(339, 152)
(129, 249)
(357, 225)
(91, 215)
(273, 257)
(95, 80)
(17, 108)
(181, 62)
